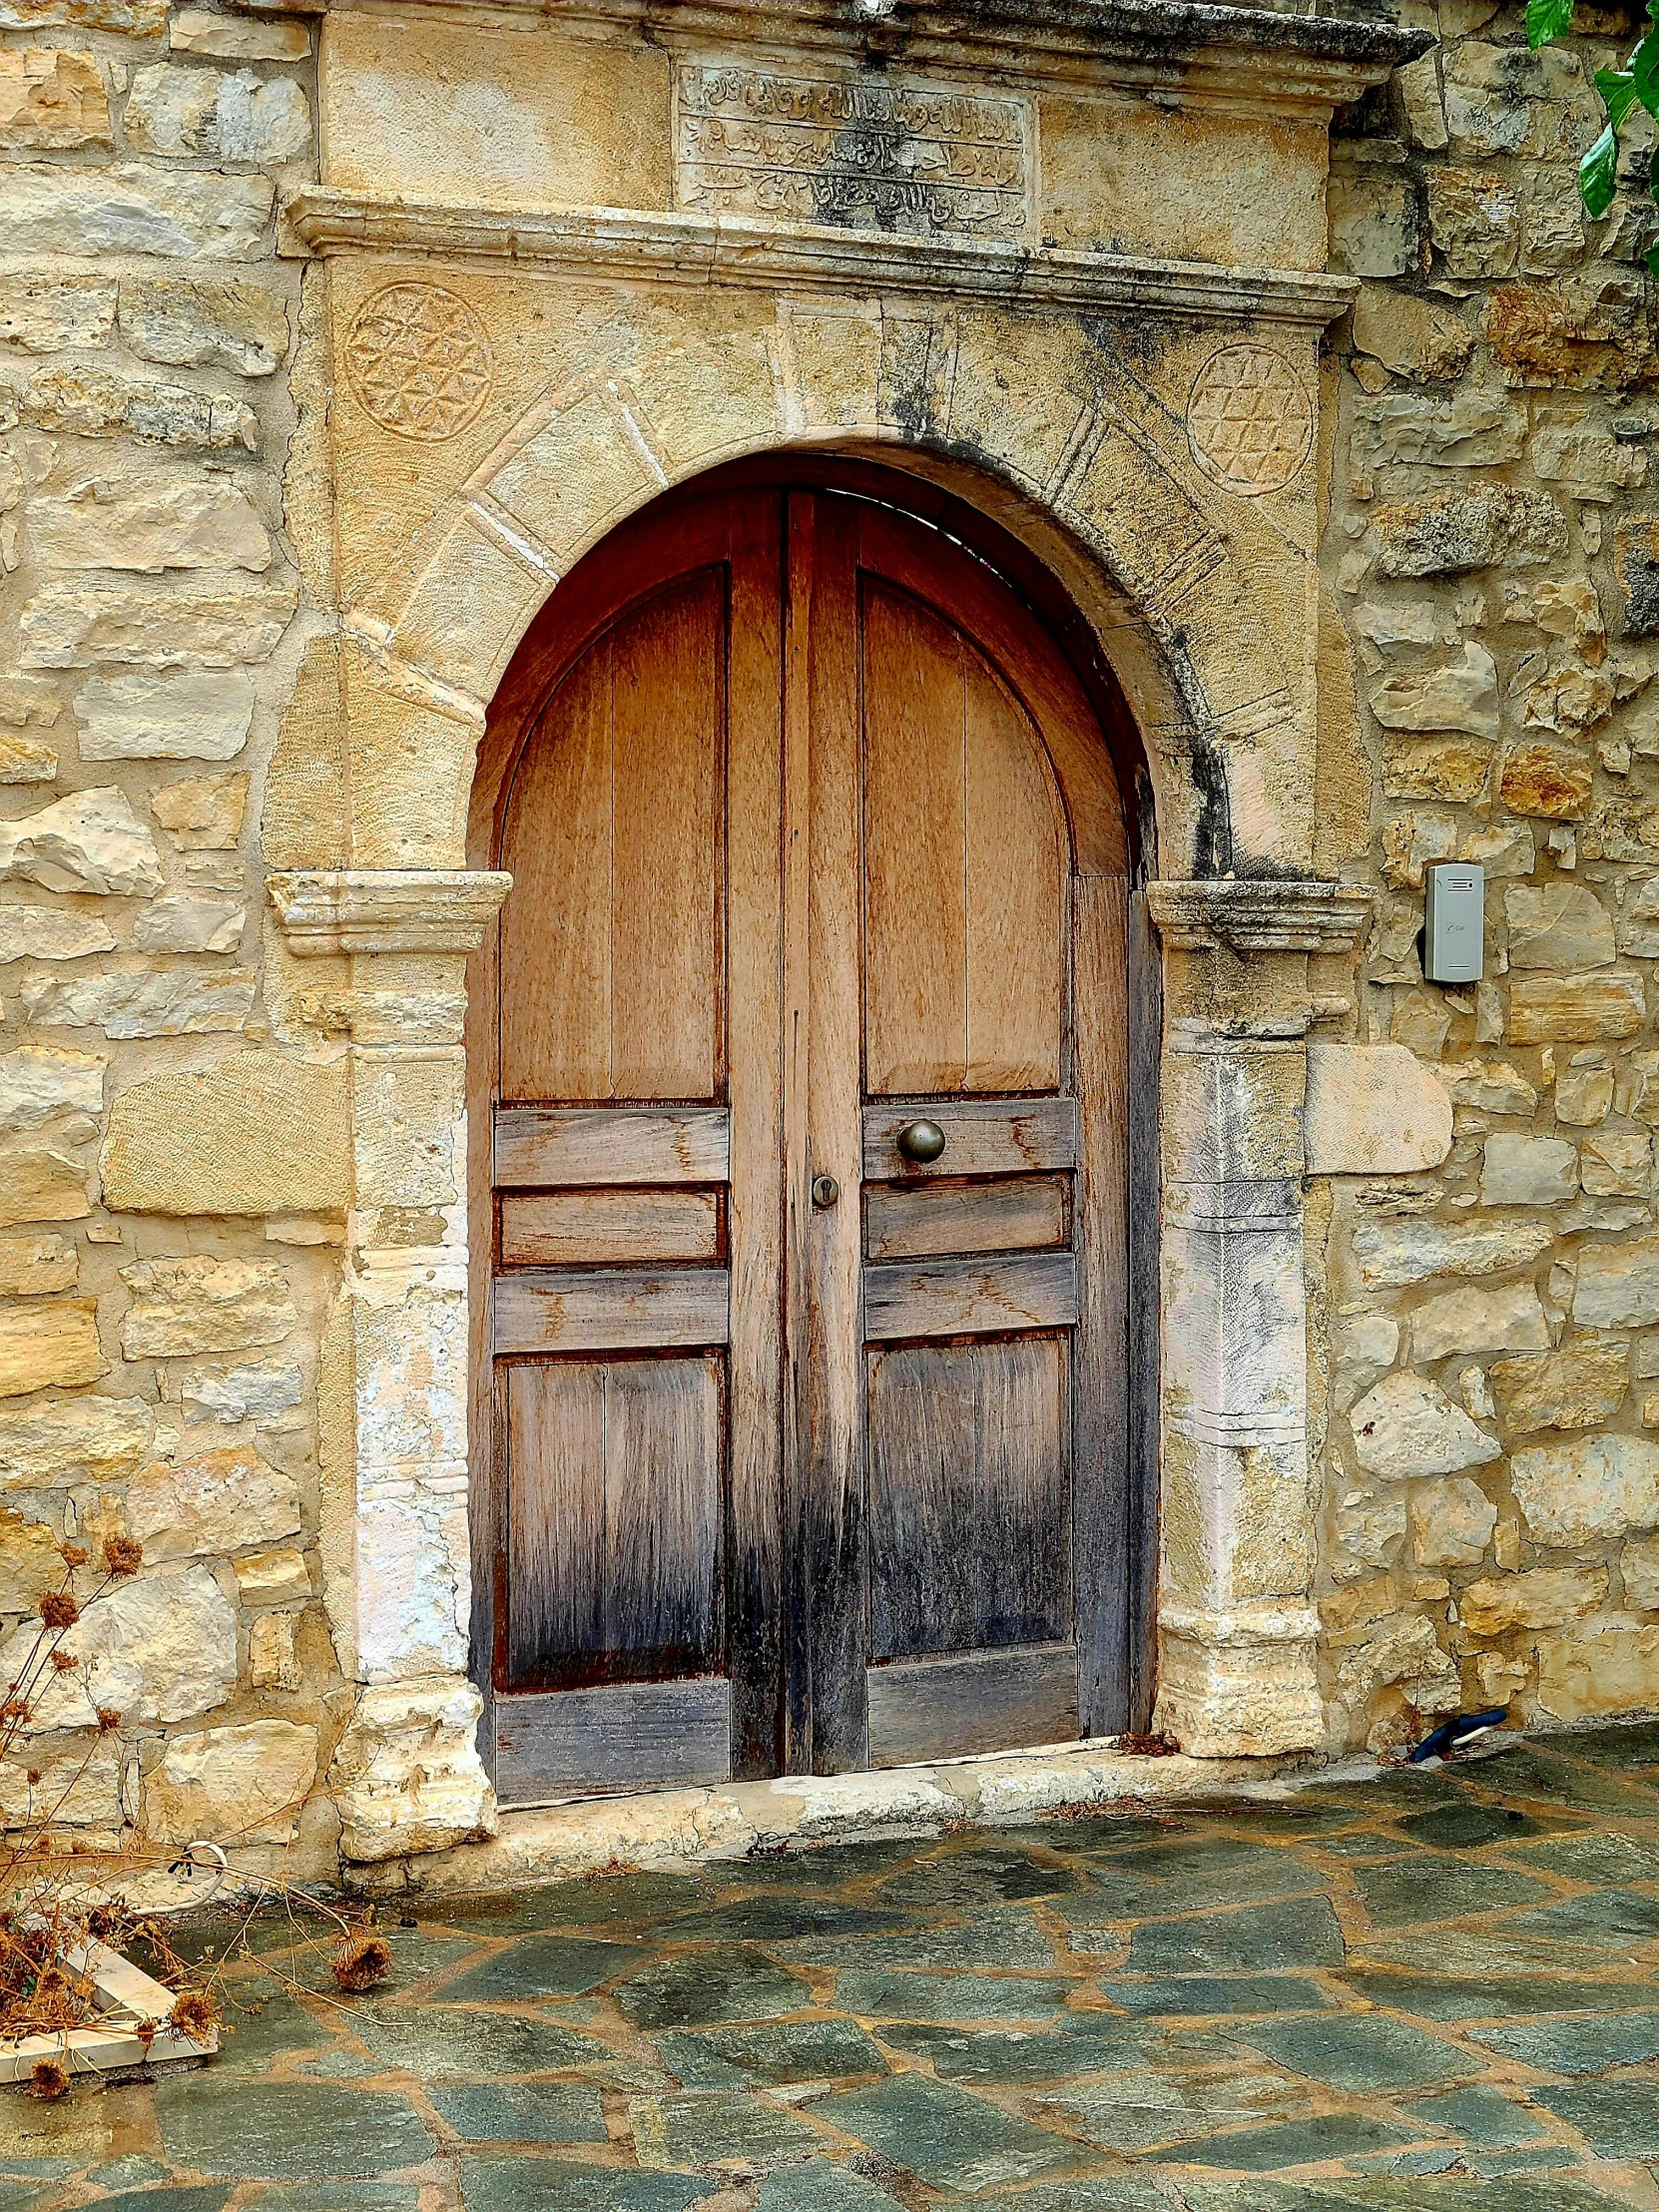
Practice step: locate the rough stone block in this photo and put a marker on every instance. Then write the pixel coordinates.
(1528, 1170)
(1579, 1386)
(1546, 1597)
(219, 1501)
(1474, 221)
(1636, 565)
(1547, 780)
(159, 1648)
(38, 1083)
(191, 716)
(1615, 1164)
(1586, 1488)
(1373, 222)
(59, 1441)
(1617, 1671)
(1411, 336)
(45, 313)
(1391, 1253)
(202, 1305)
(1372, 1110)
(1618, 1285)
(1455, 533)
(81, 1786)
(31, 1562)
(180, 215)
(1639, 1571)
(51, 100)
(1451, 769)
(212, 623)
(233, 38)
(181, 922)
(90, 842)
(97, 403)
(1588, 332)
(47, 1343)
(206, 322)
(1490, 1086)
(150, 525)
(278, 1577)
(408, 1776)
(26, 759)
(1560, 924)
(273, 1661)
(1509, 1319)
(153, 1003)
(203, 814)
(1450, 1523)
(138, 18)
(1471, 429)
(269, 1391)
(1458, 693)
(246, 1783)
(258, 1134)
(33, 1265)
(1407, 1425)
(50, 933)
(1575, 1009)
(42, 1182)
(180, 112)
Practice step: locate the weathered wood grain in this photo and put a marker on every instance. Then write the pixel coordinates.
(1027, 1213)
(980, 1701)
(628, 1309)
(981, 1137)
(548, 1229)
(959, 1297)
(563, 1146)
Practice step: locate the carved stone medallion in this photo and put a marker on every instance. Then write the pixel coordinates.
(1248, 420)
(419, 362)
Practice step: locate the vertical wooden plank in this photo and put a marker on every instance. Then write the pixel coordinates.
(969, 1459)
(556, 1541)
(666, 961)
(832, 1550)
(1016, 935)
(663, 1515)
(916, 992)
(755, 798)
(556, 924)
(1145, 1199)
(1104, 1490)
(795, 861)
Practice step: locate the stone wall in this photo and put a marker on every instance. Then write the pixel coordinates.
(158, 1366)
(231, 1243)
(1493, 1510)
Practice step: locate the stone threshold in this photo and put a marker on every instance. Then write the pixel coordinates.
(677, 1828)
(128, 2000)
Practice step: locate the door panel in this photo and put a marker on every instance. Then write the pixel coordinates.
(969, 1473)
(963, 879)
(610, 960)
(797, 1440)
(614, 1536)
(1018, 1213)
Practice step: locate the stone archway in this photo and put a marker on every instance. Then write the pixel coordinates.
(1149, 432)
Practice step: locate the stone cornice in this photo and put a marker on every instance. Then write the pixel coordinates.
(1260, 914)
(1180, 49)
(330, 910)
(615, 246)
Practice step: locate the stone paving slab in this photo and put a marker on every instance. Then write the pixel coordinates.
(1437, 1993)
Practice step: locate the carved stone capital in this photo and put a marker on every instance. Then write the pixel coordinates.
(393, 909)
(1260, 914)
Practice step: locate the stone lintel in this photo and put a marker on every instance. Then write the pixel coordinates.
(1260, 914)
(1187, 49)
(393, 910)
(611, 245)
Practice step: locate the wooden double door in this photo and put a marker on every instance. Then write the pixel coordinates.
(805, 1027)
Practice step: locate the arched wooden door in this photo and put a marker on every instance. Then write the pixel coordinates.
(807, 1437)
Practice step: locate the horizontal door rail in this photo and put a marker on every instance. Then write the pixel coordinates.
(990, 1136)
(622, 1310)
(567, 1147)
(968, 1298)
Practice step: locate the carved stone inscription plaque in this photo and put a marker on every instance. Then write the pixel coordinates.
(859, 156)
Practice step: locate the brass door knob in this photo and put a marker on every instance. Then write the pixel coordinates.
(921, 1141)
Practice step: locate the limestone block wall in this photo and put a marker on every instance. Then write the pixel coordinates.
(1491, 1384)
(173, 1177)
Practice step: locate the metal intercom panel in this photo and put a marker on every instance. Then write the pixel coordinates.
(1455, 922)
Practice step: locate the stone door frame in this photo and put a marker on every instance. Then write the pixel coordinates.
(983, 374)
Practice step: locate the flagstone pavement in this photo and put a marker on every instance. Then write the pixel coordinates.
(1428, 1992)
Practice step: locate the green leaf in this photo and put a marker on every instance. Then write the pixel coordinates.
(1644, 72)
(1598, 173)
(1617, 88)
(1546, 20)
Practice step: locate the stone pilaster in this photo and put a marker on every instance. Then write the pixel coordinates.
(1238, 1627)
(398, 1581)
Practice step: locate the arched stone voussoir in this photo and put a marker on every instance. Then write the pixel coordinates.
(667, 391)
